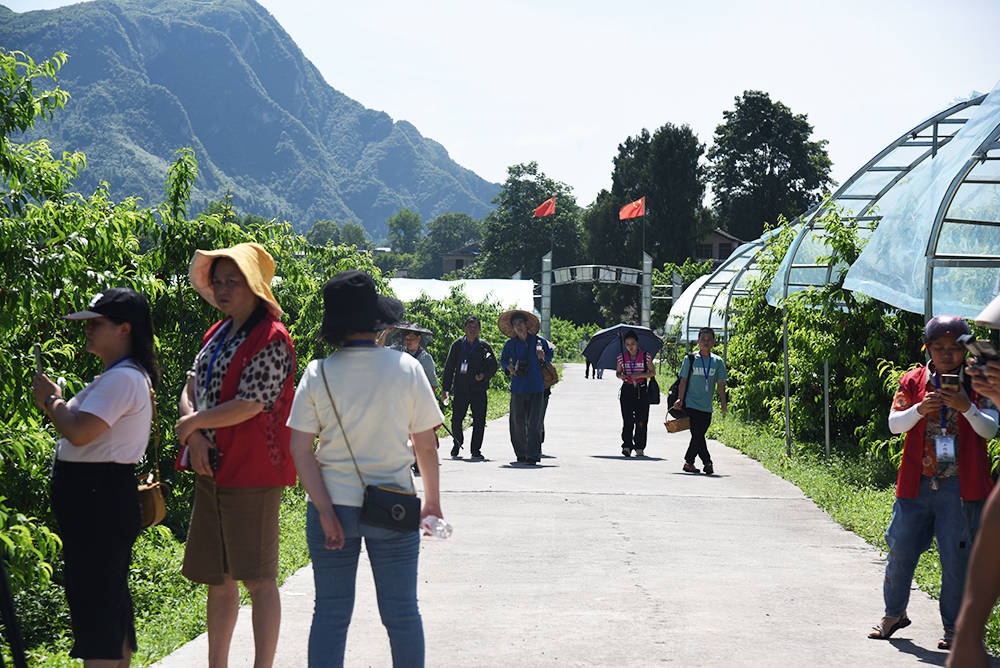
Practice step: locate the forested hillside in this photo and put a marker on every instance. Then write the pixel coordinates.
(149, 76)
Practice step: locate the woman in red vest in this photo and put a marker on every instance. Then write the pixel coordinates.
(232, 429)
(944, 475)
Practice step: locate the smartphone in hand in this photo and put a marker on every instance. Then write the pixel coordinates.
(949, 381)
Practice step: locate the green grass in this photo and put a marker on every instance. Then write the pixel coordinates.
(852, 488)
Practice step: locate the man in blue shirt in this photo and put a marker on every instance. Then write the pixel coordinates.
(522, 358)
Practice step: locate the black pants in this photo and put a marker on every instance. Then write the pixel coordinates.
(635, 416)
(463, 402)
(699, 446)
(97, 508)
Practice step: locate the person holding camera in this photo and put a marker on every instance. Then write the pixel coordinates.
(522, 358)
(944, 475)
(982, 584)
(232, 429)
(104, 429)
(468, 369)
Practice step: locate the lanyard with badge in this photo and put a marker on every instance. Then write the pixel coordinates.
(220, 338)
(706, 368)
(464, 367)
(944, 445)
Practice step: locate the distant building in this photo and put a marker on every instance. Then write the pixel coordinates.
(460, 258)
(717, 245)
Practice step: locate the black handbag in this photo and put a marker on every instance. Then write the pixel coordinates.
(653, 390)
(383, 506)
(676, 388)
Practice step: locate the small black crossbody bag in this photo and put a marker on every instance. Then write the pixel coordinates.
(383, 506)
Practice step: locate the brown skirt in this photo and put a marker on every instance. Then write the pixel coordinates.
(233, 531)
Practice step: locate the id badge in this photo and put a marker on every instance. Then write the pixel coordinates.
(201, 402)
(464, 368)
(945, 449)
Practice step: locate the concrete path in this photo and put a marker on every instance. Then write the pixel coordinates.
(593, 559)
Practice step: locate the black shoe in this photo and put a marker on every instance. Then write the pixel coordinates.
(530, 462)
(626, 452)
(708, 470)
(455, 450)
(477, 456)
(521, 460)
(690, 468)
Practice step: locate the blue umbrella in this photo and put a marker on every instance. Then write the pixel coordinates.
(605, 346)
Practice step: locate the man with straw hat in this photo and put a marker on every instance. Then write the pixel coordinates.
(232, 429)
(522, 358)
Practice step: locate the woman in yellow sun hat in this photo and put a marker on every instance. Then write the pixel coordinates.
(233, 435)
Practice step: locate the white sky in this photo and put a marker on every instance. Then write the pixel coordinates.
(564, 82)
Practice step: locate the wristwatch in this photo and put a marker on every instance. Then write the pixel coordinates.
(49, 400)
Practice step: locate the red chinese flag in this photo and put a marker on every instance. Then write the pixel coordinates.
(546, 209)
(634, 209)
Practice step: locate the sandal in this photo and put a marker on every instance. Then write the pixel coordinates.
(881, 632)
(946, 639)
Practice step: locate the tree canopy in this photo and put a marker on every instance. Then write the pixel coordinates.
(352, 234)
(405, 229)
(323, 232)
(516, 241)
(447, 232)
(664, 168)
(763, 164)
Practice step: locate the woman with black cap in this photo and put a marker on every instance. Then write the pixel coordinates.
(362, 432)
(104, 429)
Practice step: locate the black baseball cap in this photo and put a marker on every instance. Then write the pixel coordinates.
(122, 304)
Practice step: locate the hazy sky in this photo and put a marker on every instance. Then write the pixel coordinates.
(564, 82)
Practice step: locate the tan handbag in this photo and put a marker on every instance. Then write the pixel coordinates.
(152, 501)
(549, 375)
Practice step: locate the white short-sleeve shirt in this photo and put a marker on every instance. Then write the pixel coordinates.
(382, 396)
(120, 398)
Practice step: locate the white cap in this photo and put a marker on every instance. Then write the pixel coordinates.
(990, 316)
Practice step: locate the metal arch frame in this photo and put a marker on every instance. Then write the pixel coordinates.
(909, 138)
(752, 248)
(809, 224)
(932, 259)
(645, 285)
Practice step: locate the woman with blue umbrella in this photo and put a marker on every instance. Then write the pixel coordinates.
(629, 350)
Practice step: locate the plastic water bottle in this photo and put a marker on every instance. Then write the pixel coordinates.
(435, 527)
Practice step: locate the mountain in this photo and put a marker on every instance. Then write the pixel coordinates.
(150, 76)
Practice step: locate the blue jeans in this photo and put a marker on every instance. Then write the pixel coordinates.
(937, 514)
(393, 557)
(526, 424)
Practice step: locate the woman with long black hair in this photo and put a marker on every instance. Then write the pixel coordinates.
(104, 429)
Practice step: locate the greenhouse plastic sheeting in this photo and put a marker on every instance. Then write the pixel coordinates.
(681, 309)
(510, 293)
(893, 266)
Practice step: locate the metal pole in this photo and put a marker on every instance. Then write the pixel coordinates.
(647, 289)
(547, 295)
(788, 411)
(10, 628)
(826, 404)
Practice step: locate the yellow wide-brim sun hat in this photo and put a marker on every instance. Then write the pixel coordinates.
(255, 263)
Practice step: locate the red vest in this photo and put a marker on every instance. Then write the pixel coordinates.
(974, 480)
(255, 453)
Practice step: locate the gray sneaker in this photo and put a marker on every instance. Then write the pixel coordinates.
(640, 453)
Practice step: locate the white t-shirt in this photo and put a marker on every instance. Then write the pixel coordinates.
(382, 396)
(120, 397)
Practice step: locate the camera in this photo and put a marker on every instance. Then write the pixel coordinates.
(214, 459)
(520, 367)
(984, 351)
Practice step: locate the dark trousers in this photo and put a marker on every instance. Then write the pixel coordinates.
(477, 403)
(526, 424)
(698, 447)
(97, 508)
(635, 416)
